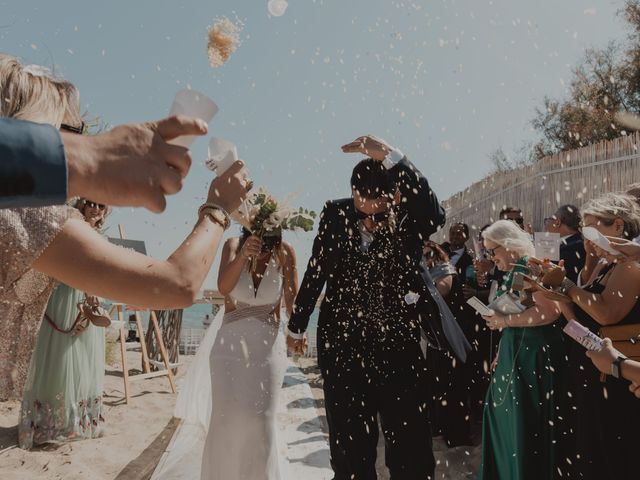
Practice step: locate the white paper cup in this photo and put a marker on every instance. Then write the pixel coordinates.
(193, 104)
(222, 154)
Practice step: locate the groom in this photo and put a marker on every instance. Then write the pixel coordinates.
(367, 252)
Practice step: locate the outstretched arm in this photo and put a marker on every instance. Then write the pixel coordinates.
(616, 300)
(81, 258)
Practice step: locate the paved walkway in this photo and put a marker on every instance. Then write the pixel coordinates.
(303, 436)
(302, 432)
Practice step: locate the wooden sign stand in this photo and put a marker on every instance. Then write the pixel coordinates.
(153, 323)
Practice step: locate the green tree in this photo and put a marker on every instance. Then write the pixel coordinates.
(607, 81)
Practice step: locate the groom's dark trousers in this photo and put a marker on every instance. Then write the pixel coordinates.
(369, 332)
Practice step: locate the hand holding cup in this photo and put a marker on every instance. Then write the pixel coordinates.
(230, 189)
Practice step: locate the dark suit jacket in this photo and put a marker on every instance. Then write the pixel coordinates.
(364, 317)
(573, 253)
(33, 169)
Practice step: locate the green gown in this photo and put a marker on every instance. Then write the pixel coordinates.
(522, 412)
(63, 394)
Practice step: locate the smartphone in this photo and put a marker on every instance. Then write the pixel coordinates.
(480, 307)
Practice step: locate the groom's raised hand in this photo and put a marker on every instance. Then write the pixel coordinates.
(369, 145)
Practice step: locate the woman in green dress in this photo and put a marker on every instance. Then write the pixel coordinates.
(522, 415)
(63, 394)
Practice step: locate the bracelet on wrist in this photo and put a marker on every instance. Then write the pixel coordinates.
(567, 285)
(216, 213)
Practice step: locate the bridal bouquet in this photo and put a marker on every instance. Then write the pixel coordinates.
(263, 215)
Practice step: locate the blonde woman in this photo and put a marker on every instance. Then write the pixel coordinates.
(607, 418)
(39, 245)
(63, 394)
(520, 429)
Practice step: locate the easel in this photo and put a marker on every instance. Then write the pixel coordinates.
(153, 323)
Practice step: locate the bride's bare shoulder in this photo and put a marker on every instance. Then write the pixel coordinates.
(288, 252)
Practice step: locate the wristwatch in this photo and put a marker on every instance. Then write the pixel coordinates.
(615, 366)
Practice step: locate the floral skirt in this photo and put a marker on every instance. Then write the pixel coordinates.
(62, 399)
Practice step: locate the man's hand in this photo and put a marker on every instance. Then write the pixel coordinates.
(368, 145)
(296, 347)
(132, 165)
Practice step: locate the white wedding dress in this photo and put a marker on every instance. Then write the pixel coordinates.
(231, 390)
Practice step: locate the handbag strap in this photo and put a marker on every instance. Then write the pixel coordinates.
(60, 330)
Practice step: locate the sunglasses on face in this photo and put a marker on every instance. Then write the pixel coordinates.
(492, 251)
(70, 128)
(99, 206)
(376, 217)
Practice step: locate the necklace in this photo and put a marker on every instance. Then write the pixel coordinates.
(507, 284)
(510, 381)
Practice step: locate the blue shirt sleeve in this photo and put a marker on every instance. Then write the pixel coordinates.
(33, 168)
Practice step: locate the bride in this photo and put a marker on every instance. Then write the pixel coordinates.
(230, 392)
(248, 357)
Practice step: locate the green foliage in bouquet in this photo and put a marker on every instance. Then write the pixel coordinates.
(302, 220)
(263, 215)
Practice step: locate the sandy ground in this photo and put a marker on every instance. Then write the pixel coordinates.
(130, 431)
(138, 434)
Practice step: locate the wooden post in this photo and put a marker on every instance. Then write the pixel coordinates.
(170, 324)
(163, 351)
(153, 323)
(123, 351)
(143, 344)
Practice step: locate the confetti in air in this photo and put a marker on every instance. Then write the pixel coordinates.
(277, 7)
(224, 37)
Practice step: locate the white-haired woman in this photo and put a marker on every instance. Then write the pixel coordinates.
(607, 418)
(39, 245)
(521, 411)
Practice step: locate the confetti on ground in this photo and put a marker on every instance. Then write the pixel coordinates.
(224, 37)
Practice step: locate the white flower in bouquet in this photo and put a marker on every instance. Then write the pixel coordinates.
(262, 214)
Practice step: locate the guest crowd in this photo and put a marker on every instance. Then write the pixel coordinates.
(547, 407)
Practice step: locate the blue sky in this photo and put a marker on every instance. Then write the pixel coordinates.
(445, 81)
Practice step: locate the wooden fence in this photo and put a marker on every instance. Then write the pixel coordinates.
(569, 177)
